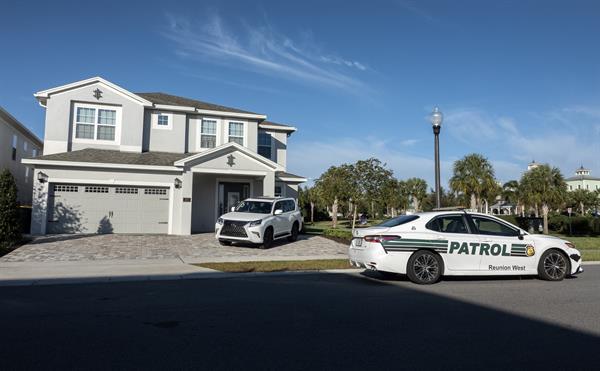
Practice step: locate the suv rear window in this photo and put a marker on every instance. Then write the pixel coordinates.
(399, 220)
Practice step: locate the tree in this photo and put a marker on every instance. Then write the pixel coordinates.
(10, 229)
(545, 186)
(308, 198)
(583, 199)
(473, 177)
(417, 189)
(336, 185)
(371, 179)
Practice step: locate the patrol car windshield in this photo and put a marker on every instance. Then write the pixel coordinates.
(402, 219)
(257, 207)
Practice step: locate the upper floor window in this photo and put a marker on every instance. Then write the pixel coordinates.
(34, 152)
(208, 134)
(25, 146)
(14, 147)
(95, 123)
(163, 120)
(264, 144)
(236, 132)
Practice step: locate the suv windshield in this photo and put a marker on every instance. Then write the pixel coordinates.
(402, 219)
(258, 207)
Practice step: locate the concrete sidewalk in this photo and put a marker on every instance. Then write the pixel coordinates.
(62, 272)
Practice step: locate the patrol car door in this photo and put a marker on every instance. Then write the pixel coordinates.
(455, 231)
(501, 249)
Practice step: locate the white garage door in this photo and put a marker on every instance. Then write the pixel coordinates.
(78, 208)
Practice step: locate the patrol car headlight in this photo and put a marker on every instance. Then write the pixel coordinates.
(570, 244)
(255, 223)
(220, 221)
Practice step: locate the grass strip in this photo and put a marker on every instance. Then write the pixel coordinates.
(278, 266)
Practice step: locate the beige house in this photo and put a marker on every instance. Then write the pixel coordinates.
(123, 162)
(16, 143)
(583, 180)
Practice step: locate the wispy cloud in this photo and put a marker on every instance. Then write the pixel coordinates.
(258, 49)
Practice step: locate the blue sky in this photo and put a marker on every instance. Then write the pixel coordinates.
(516, 80)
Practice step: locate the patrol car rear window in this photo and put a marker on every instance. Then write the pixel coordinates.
(402, 219)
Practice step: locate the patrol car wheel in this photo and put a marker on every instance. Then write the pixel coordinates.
(553, 266)
(424, 267)
(267, 239)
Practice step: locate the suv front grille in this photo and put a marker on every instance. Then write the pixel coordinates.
(233, 228)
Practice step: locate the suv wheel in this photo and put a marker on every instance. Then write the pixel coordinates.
(267, 239)
(294, 234)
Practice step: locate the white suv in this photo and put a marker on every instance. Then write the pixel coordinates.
(260, 221)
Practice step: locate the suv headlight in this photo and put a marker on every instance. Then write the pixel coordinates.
(255, 223)
(220, 221)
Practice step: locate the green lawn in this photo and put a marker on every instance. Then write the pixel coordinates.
(589, 246)
(278, 266)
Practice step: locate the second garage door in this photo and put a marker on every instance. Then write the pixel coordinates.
(76, 208)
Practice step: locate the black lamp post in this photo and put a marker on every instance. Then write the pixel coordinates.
(436, 122)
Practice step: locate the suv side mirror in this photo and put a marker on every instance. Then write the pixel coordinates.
(278, 212)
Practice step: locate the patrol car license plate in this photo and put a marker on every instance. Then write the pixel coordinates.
(358, 242)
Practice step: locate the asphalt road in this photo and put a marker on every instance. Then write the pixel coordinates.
(306, 321)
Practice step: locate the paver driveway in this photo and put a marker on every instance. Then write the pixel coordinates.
(190, 249)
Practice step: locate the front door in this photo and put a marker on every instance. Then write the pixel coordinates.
(230, 194)
(501, 249)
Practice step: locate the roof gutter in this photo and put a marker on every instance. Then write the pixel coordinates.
(33, 161)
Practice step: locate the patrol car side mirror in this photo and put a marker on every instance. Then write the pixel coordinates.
(520, 236)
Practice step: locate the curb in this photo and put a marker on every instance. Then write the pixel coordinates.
(163, 277)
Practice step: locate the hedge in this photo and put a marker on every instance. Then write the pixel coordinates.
(341, 235)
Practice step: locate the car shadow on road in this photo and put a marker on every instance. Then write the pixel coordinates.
(319, 321)
(386, 276)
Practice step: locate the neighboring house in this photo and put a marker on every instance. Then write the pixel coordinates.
(123, 162)
(583, 180)
(16, 143)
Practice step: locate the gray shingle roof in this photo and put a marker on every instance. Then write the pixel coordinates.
(117, 157)
(173, 100)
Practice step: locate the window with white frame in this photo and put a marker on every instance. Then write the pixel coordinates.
(236, 132)
(34, 152)
(264, 144)
(208, 133)
(25, 146)
(94, 123)
(162, 120)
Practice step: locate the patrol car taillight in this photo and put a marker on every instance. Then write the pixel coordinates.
(379, 238)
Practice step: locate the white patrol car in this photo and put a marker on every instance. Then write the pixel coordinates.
(260, 221)
(426, 246)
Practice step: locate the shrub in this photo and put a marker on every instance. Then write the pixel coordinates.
(558, 223)
(340, 235)
(512, 219)
(10, 228)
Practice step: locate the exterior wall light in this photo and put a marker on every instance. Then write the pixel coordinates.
(42, 178)
(177, 183)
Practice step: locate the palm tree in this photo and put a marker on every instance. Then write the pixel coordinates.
(417, 189)
(545, 186)
(473, 177)
(511, 193)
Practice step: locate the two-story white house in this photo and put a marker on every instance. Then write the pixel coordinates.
(16, 143)
(121, 162)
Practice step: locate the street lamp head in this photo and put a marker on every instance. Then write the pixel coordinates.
(436, 117)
